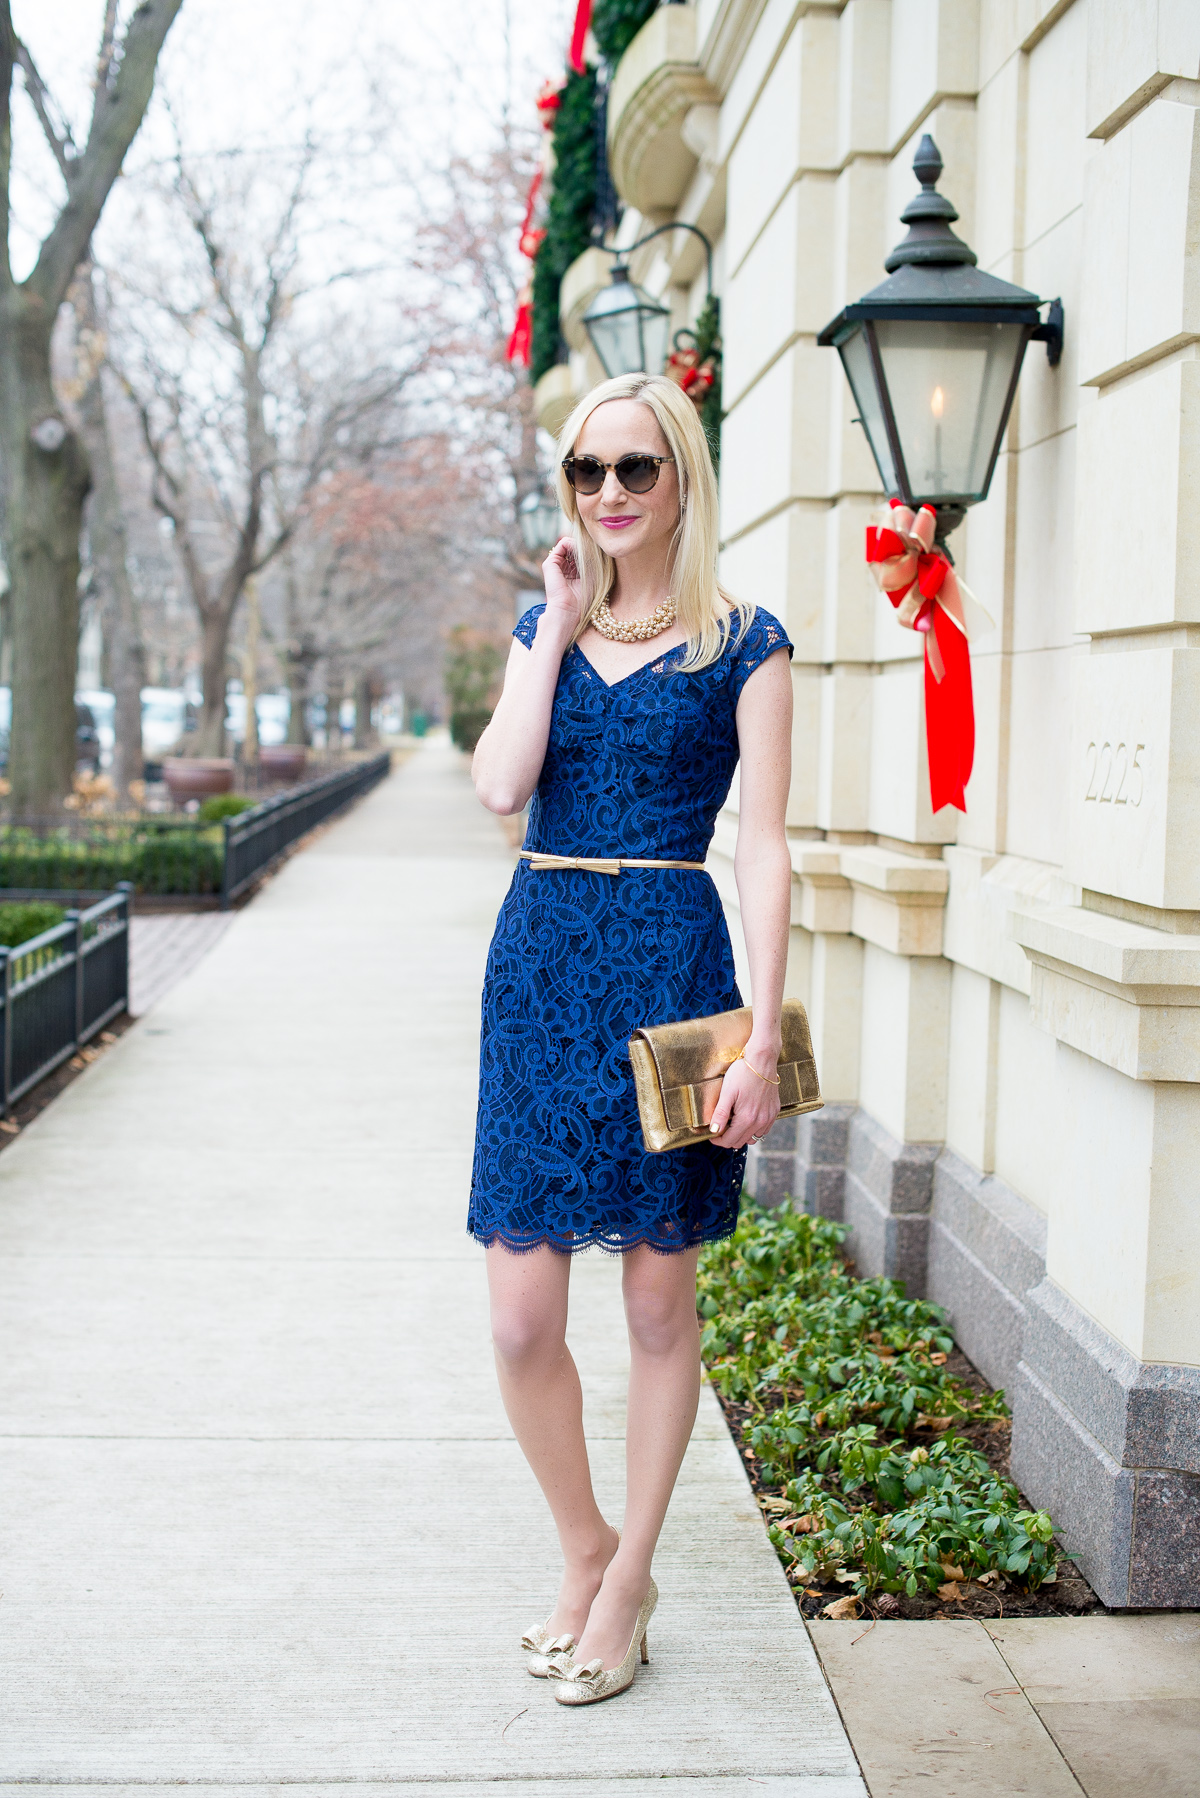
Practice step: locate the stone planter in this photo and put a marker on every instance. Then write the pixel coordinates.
(284, 761)
(196, 777)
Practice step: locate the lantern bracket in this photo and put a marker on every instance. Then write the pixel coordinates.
(1050, 332)
(622, 255)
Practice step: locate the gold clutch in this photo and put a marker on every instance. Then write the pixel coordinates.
(678, 1070)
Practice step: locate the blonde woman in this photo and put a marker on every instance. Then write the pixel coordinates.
(629, 698)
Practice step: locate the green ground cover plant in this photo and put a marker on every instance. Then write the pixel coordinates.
(156, 861)
(854, 1422)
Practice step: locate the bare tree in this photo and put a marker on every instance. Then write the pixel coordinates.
(108, 536)
(45, 465)
(242, 451)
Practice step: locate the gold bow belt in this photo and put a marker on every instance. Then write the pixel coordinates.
(597, 864)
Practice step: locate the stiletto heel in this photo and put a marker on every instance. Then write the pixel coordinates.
(645, 1650)
(590, 1682)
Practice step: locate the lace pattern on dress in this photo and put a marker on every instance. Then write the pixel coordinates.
(639, 767)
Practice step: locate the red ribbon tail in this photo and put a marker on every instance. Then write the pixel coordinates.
(583, 18)
(520, 344)
(949, 717)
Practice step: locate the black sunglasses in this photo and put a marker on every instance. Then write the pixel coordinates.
(637, 474)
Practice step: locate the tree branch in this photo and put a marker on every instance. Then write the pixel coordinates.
(108, 37)
(59, 138)
(8, 60)
(117, 112)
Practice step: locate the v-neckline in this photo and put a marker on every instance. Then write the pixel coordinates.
(611, 685)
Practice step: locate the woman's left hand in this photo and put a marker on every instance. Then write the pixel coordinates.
(748, 1105)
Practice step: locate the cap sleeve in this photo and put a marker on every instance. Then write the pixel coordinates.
(764, 636)
(526, 625)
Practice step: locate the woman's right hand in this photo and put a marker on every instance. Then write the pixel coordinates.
(564, 587)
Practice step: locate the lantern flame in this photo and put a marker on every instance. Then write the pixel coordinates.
(937, 404)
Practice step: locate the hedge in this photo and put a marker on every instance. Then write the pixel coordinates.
(170, 861)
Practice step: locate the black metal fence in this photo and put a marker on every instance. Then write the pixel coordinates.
(59, 989)
(257, 838)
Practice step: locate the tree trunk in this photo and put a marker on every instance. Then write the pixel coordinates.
(214, 649)
(107, 535)
(47, 484)
(364, 694)
(299, 662)
(250, 674)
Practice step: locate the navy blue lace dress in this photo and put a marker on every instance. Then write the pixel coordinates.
(580, 960)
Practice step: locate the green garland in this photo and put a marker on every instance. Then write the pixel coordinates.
(705, 338)
(615, 24)
(569, 214)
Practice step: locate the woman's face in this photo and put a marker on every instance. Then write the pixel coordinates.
(627, 524)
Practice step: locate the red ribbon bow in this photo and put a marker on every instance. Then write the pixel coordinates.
(921, 583)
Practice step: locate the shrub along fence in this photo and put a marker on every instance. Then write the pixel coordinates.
(179, 858)
(58, 989)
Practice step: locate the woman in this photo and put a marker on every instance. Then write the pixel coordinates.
(628, 698)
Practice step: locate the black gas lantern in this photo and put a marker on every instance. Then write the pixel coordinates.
(933, 355)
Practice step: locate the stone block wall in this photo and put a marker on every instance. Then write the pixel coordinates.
(1005, 1004)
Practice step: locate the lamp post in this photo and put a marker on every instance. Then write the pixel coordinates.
(933, 355)
(537, 515)
(629, 329)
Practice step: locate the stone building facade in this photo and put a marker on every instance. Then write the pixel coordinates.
(1005, 1005)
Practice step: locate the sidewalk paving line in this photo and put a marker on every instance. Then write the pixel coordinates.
(935, 1700)
(267, 1524)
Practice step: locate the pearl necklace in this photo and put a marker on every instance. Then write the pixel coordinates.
(638, 630)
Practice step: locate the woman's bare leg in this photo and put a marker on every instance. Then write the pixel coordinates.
(539, 1384)
(664, 1389)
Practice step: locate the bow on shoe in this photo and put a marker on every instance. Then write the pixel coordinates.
(922, 585)
(536, 1641)
(582, 1672)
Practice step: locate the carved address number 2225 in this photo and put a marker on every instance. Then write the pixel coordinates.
(1115, 773)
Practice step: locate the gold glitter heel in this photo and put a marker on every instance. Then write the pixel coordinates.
(590, 1682)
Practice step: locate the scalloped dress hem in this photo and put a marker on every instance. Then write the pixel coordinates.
(524, 1245)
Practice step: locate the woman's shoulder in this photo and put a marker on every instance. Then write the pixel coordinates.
(760, 636)
(525, 628)
(752, 643)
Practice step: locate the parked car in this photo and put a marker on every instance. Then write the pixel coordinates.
(103, 707)
(273, 710)
(87, 740)
(164, 720)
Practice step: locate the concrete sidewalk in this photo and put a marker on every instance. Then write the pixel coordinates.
(265, 1523)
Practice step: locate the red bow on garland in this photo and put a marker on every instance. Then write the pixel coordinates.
(928, 596)
(694, 376)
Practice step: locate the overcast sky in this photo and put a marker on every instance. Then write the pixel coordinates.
(249, 73)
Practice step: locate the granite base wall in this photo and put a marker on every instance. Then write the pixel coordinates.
(1110, 1445)
(803, 1159)
(888, 1194)
(987, 1249)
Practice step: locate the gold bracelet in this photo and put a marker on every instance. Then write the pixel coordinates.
(767, 1079)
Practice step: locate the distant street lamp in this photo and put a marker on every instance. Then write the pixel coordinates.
(539, 521)
(933, 355)
(629, 329)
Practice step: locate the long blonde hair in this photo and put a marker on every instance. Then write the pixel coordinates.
(705, 610)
